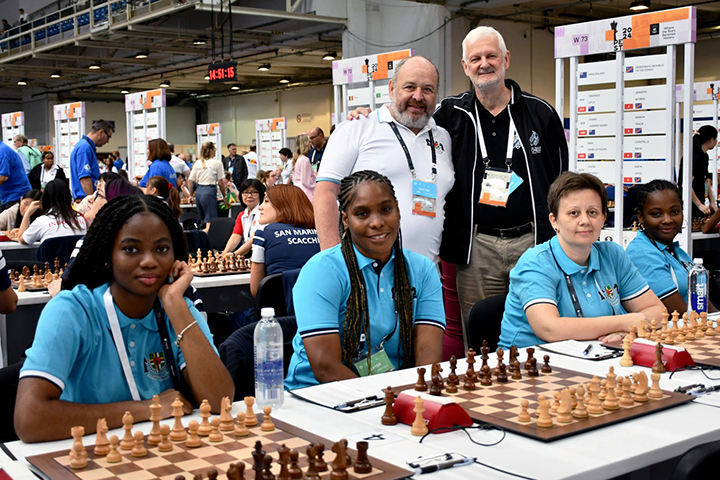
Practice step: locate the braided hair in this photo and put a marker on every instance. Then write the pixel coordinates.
(356, 315)
(652, 187)
(92, 267)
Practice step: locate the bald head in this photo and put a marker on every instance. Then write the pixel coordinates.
(413, 90)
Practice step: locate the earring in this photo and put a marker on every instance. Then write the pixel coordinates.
(684, 224)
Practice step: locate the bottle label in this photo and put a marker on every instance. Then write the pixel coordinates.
(698, 302)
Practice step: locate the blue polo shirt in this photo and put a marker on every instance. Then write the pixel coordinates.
(83, 163)
(17, 183)
(161, 168)
(321, 294)
(74, 349)
(609, 279)
(665, 273)
(283, 247)
(119, 164)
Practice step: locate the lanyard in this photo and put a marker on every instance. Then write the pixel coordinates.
(407, 152)
(511, 140)
(122, 352)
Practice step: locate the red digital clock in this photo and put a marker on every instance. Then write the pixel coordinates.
(223, 72)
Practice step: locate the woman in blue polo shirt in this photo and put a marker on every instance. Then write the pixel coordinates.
(661, 260)
(158, 152)
(573, 275)
(123, 333)
(365, 306)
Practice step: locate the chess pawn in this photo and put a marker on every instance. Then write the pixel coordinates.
(193, 437)
(524, 415)
(113, 456)
(603, 389)
(626, 400)
(215, 435)
(165, 445)
(655, 391)
(21, 285)
(485, 377)
(267, 424)
(594, 407)
(580, 411)
(250, 418)
(240, 429)
(610, 402)
(139, 449)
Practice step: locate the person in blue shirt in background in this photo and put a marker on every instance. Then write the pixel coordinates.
(573, 286)
(13, 180)
(658, 258)
(365, 306)
(158, 152)
(84, 169)
(122, 333)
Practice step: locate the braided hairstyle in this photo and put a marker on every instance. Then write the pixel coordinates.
(356, 315)
(652, 187)
(93, 265)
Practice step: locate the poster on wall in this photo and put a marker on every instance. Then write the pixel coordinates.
(367, 68)
(210, 132)
(69, 127)
(271, 136)
(646, 30)
(145, 113)
(12, 124)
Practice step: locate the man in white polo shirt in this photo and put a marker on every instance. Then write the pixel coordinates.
(401, 141)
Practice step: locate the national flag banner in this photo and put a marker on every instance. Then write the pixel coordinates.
(628, 131)
(627, 155)
(629, 69)
(638, 154)
(638, 106)
(638, 179)
(591, 109)
(628, 106)
(582, 109)
(583, 74)
(627, 179)
(592, 132)
(591, 155)
(581, 156)
(582, 132)
(638, 130)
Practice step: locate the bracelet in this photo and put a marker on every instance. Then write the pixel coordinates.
(180, 335)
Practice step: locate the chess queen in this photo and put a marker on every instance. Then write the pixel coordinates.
(574, 286)
(121, 331)
(367, 305)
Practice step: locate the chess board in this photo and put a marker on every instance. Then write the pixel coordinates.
(29, 287)
(704, 351)
(220, 274)
(191, 461)
(499, 404)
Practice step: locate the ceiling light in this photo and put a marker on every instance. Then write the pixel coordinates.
(235, 87)
(164, 84)
(124, 91)
(264, 67)
(201, 40)
(22, 81)
(207, 77)
(56, 74)
(638, 5)
(330, 56)
(94, 66)
(142, 54)
(285, 80)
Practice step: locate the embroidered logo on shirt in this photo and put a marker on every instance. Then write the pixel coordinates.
(156, 367)
(438, 146)
(534, 143)
(611, 295)
(87, 167)
(516, 142)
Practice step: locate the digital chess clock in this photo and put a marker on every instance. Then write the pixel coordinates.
(223, 72)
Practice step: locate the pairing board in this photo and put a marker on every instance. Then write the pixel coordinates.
(499, 404)
(191, 461)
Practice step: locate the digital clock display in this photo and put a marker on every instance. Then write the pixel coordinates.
(223, 72)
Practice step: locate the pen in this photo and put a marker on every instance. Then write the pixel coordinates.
(444, 465)
(587, 350)
(352, 403)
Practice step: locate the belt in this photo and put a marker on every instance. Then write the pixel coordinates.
(513, 232)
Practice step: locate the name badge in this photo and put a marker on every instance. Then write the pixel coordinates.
(379, 363)
(515, 181)
(495, 187)
(424, 197)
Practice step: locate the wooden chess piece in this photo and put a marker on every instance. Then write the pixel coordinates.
(165, 444)
(421, 384)
(516, 373)
(113, 456)
(594, 407)
(580, 411)
(655, 391)
(320, 463)
(471, 363)
(294, 468)
(419, 427)
(250, 418)
(205, 426)
(502, 374)
(603, 389)
(139, 449)
(240, 429)
(178, 432)
(610, 402)
(533, 371)
(641, 390)
(284, 461)
(564, 411)
(102, 445)
(658, 366)
(485, 377)
(78, 455)
(546, 368)
(530, 351)
(500, 354)
(155, 417)
(436, 380)
(524, 416)
(389, 417)
(453, 378)
(267, 424)
(626, 360)
(21, 285)
(193, 437)
(340, 463)
(128, 441)
(312, 472)
(544, 419)
(215, 435)
(362, 463)
(626, 400)
(226, 418)
(556, 402)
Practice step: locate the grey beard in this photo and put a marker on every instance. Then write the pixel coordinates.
(408, 120)
(483, 87)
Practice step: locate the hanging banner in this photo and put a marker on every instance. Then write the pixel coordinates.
(367, 68)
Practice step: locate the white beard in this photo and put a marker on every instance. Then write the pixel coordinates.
(404, 118)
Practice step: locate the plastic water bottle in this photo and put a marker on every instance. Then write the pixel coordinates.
(698, 287)
(269, 377)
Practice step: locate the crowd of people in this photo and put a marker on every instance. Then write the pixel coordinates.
(385, 224)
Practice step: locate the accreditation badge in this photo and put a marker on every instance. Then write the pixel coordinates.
(495, 188)
(379, 362)
(424, 197)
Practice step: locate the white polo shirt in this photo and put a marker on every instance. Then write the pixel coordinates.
(370, 144)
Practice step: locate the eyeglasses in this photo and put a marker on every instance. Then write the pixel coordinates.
(251, 194)
(98, 195)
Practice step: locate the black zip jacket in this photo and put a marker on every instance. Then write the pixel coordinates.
(546, 155)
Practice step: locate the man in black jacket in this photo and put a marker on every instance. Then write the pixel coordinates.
(497, 208)
(235, 164)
